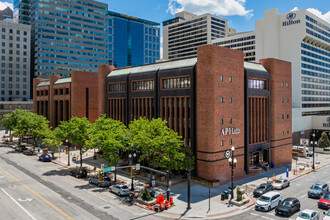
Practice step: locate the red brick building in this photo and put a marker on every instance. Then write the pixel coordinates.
(214, 101)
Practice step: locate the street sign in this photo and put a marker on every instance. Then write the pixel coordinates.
(108, 169)
(137, 166)
(227, 154)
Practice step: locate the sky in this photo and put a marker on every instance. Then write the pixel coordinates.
(241, 14)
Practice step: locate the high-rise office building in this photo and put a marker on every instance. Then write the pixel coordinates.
(6, 13)
(184, 33)
(15, 61)
(132, 41)
(65, 35)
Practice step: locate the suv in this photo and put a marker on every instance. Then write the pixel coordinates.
(317, 190)
(268, 201)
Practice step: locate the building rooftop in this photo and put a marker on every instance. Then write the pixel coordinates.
(131, 18)
(155, 67)
(44, 83)
(63, 80)
(255, 66)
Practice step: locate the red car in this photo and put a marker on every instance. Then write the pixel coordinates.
(324, 201)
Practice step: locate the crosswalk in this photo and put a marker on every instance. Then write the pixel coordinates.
(266, 215)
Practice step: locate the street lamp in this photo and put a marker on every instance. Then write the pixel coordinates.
(232, 162)
(67, 141)
(313, 143)
(132, 157)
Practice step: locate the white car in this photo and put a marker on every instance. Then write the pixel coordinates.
(281, 183)
(308, 214)
(121, 190)
(268, 201)
(326, 215)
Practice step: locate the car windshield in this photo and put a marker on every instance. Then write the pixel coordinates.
(316, 187)
(124, 187)
(261, 187)
(107, 178)
(264, 199)
(328, 213)
(286, 203)
(278, 181)
(304, 215)
(326, 196)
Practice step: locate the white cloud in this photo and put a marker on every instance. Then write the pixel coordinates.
(218, 7)
(318, 13)
(4, 5)
(161, 52)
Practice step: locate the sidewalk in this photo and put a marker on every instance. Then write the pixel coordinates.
(200, 194)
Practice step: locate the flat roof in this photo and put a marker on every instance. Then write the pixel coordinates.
(155, 67)
(132, 18)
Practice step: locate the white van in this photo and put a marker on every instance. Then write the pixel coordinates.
(268, 201)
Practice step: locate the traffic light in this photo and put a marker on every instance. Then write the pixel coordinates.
(133, 171)
(101, 176)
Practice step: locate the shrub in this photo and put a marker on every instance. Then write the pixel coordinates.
(239, 194)
(145, 195)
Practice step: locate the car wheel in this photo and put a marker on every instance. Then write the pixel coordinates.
(110, 190)
(77, 176)
(268, 208)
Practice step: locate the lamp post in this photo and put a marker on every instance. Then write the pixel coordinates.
(314, 143)
(132, 157)
(68, 151)
(232, 162)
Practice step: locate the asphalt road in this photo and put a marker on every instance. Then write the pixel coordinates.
(31, 189)
(298, 188)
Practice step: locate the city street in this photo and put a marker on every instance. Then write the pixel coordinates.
(298, 188)
(31, 189)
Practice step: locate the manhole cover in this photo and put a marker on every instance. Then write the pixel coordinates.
(106, 207)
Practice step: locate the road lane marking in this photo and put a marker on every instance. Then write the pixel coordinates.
(19, 205)
(302, 196)
(38, 195)
(25, 200)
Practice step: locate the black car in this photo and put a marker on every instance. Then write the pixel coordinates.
(21, 148)
(79, 172)
(45, 158)
(288, 206)
(262, 188)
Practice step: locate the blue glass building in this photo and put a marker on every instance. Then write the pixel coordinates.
(65, 35)
(132, 41)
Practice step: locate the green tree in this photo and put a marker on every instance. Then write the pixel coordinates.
(75, 131)
(110, 136)
(38, 127)
(52, 141)
(159, 146)
(9, 122)
(324, 140)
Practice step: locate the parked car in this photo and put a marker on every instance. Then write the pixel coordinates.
(324, 201)
(28, 152)
(45, 158)
(317, 190)
(262, 188)
(95, 180)
(14, 146)
(308, 214)
(288, 206)
(121, 190)
(281, 183)
(79, 172)
(326, 215)
(268, 201)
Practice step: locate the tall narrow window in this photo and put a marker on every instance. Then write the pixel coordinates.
(230, 79)
(221, 100)
(230, 99)
(221, 78)
(87, 102)
(221, 143)
(222, 121)
(230, 141)
(230, 121)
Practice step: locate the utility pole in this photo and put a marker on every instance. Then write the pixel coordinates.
(188, 179)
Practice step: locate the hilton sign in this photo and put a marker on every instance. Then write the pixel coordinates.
(229, 131)
(290, 16)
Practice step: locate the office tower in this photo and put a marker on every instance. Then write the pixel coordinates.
(15, 61)
(184, 33)
(6, 13)
(65, 35)
(132, 41)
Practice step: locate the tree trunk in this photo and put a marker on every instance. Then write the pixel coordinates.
(10, 137)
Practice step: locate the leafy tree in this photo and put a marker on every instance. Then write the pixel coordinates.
(110, 136)
(52, 141)
(324, 140)
(38, 127)
(159, 146)
(145, 195)
(75, 131)
(239, 194)
(9, 122)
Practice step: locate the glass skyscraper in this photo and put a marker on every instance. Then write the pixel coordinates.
(132, 41)
(65, 35)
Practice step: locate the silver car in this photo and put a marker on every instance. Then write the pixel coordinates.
(281, 183)
(308, 214)
(121, 190)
